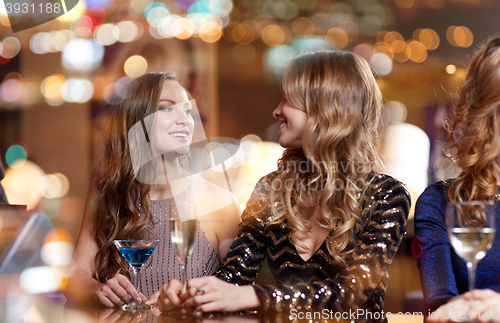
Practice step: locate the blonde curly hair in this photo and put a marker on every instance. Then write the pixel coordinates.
(474, 131)
(338, 92)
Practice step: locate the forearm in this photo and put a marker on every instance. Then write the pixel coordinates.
(82, 288)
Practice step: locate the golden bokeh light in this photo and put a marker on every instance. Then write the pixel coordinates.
(273, 35)
(405, 4)
(287, 33)
(463, 36)
(211, 33)
(417, 51)
(183, 28)
(314, 31)
(395, 40)
(337, 37)
(383, 48)
(429, 38)
(380, 36)
(52, 87)
(135, 66)
(459, 36)
(301, 24)
(449, 36)
(243, 33)
(451, 69)
(403, 55)
(351, 29)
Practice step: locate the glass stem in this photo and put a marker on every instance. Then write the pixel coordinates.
(136, 276)
(183, 275)
(471, 273)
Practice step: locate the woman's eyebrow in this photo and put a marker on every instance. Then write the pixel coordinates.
(168, 100)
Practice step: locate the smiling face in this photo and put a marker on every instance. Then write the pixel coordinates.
(174, 124)
(292, 122)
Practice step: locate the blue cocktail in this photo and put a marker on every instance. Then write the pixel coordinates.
(136, 252)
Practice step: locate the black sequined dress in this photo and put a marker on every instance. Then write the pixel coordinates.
(320, 283)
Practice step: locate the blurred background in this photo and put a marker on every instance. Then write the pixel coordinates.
(59, 78)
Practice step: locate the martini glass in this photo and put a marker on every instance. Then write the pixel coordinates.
(136, 252)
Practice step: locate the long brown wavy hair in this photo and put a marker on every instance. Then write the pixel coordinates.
(338, 92)
(117, 205)
(474, 131)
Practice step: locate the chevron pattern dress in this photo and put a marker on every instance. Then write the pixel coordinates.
(320, 282)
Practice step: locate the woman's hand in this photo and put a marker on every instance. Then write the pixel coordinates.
(485, 308)
(209, 294)
(170, 296)
(118, 291)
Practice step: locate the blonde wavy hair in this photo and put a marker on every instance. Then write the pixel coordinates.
(338, 92)
(474, 131)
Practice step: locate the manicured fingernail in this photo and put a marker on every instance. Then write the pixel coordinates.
(139, 300)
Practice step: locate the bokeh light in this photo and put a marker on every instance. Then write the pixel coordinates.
(11, 90)
(381, 63)
(57, 253)
(405, 4)
(135, 66)
(451, 69)
(128, 31)
(107, 34)
(51, 87)
(251, 146)
(43, 279)
(417, 50)
(104, 4)
(120, 86)
(337, 37)
(155, 12)
(16, 156)
(397, 111)
(459, 36)
(82, 54)
(84, 26)
(10, 47)
(429, 38)
(276, 59)
(77, 90)
(41, 43)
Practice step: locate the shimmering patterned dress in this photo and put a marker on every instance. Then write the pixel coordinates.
(442, 272)
(320, 282)
(164, 264)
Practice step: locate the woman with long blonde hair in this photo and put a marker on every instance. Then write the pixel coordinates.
(328, 223)
(474, 149)
(133, 196)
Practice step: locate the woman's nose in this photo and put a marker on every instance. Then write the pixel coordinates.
(277, 111)
(182, 118)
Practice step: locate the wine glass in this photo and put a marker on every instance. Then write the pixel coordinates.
(136, 252)
(471, 230)
(183, 234)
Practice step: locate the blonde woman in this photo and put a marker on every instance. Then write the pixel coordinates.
(328, 223)
(474, 138)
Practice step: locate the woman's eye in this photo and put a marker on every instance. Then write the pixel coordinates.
(167, 109)
(188, 112)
